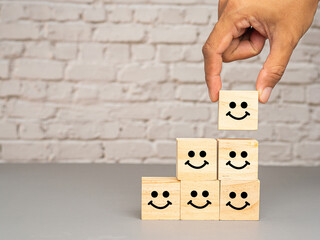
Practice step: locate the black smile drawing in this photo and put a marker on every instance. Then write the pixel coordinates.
(235, 167)
(196, 167)
(236, 208)
(238, 118)
(199, 207)
(163, 207)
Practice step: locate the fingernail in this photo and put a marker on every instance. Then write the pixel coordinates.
(264, 97)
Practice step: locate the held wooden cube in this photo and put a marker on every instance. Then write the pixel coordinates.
(238, 110)
(196, 159)
(237, 159)
(200, 200)
(160, 198)
(239, 200)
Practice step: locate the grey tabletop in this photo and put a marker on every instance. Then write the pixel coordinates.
(100, 202)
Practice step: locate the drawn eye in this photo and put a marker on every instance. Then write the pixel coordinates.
(232, 154)
(244, 195)
(191, 154)
(232, 195)
(244, 105)
(232, 105)
(205, 193)
(193, 193)
(165, 194)
(154, 194)
(244, 154)
(203, 154)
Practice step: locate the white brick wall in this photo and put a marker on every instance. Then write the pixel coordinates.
(119, 80)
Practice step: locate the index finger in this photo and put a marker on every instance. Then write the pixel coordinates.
(218, 41)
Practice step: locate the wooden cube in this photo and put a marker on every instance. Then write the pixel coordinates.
(196, 159)
(200, 200)
(160, 198)
(237, 159)
(239, 200)
(238, 110)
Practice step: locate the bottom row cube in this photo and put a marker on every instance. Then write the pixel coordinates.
(169, 198)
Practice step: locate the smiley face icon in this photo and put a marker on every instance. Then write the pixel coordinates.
(200, 200)
(238, 159)
(238, 110)
(196, 158)
(160, 198)
(239, 200)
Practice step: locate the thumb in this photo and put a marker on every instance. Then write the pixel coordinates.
(274, 67)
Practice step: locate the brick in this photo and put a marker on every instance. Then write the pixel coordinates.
(33, 89)
(289, 133)
(302, 54)
(174, 1)
(38, 12)
(57, 130)
(68, 32)
(313, 95)
(64, 151)
(142, 52)
(188, 73)
(299, 73)
(182, 130)
(12, 12)
(170, 53)
(117, 53)
(192, 92)
(83, 113)
(128, 149)
(186, 113)
(8, 130)
(96, 14)
(133, 131)
(32, 110)
(31, 130)
(112, 92)
(10, 49)
(66, 13)
(19, 31)
(166, 149)
(135, 111)
(240, 73)
(83, 131)
(158, 130)
(289, 113)
(95, 72)
(134, 73)
(110, 130)
(120, 15)
(86, 93)
(38, 69)
(204, 32)
(269, 152)
(10, 88)
(193, 53)
(146, 15)
(310, 38)
(119, 33)
(92, 52)
(38, 50)
(173, 35)
(65, 51)
(61, 91)
(171, 16)
(307, 150)
(163, 91)
(4, 69)
(197, 15)
(24, 152)
(293, 94)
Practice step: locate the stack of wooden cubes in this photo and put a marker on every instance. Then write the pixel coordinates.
(217, 179)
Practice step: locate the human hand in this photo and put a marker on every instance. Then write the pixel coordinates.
(241, 31)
